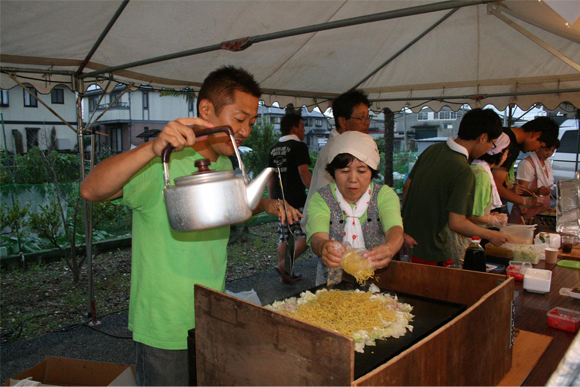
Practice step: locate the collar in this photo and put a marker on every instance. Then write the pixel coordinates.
(456, 147)
(334, 133)
(288, 138)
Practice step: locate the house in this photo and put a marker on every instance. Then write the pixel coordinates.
(26, 123)
(133, 117)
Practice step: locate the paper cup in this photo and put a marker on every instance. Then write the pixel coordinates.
(551, 255)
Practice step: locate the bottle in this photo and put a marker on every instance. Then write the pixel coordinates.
(474, 256)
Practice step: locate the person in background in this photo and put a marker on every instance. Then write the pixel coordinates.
(485, 198)
(167, 264)
(535, 177)
(351, 113)
(291, 156)
(438, 194)
(352, 208)
(530, 137)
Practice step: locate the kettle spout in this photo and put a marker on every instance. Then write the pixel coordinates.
(256, 187)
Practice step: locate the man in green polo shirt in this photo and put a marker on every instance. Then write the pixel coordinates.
(438, 194)
(167, 264)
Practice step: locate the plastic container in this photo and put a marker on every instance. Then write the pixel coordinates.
(537, 280)
(527, 253)
(517, 269)
(564, 319)
(520, 234)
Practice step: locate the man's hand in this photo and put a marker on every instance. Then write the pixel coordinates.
(497, 238)
(409, 241)
(545, 191)
(179, 133)
(276, 207)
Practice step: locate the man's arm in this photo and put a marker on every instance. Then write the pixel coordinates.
(305, 175)
(461, 225)
(499, 175)
(106, 180)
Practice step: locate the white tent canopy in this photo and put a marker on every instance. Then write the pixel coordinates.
(305, 52)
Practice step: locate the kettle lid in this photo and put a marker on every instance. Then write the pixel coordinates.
(204, 175)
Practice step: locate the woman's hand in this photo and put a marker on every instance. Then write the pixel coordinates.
(380, 256)
(332, 252)
(276, 207)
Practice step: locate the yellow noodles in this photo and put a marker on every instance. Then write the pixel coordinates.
(346, 312)
(357, 266)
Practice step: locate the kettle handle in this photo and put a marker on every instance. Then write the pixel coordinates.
(169, 148)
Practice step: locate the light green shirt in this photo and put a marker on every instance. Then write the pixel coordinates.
(319, 213)
(167, 264)
(482, 193)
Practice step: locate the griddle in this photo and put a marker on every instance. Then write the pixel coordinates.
(430, 315)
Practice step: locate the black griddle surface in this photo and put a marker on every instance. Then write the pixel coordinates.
(430, 315)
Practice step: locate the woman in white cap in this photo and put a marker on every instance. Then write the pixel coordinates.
(353, 209)
(535, 177)
(485, 197)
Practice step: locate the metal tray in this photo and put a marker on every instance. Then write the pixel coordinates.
(430, 315)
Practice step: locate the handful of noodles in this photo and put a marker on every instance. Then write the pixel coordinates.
(364, 316)
(357, 266)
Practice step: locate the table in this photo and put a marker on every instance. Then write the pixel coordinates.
(531, 315)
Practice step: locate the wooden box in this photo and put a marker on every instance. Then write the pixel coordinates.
(239, 343)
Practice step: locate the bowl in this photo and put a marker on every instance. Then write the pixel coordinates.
(537, 280)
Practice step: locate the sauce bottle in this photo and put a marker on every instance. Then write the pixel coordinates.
(474, 256)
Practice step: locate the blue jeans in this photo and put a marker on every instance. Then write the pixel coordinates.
(161, 367)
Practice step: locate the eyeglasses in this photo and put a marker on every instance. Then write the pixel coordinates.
(362, 119)
(493, 144)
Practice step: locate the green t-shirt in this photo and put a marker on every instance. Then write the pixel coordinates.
(319, 213)
(166, 264)
(482, 194)
(441, 182)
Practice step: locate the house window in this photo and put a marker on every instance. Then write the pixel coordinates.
(318, 122)
(190, 105)
(116, 140)
(145, 101)
(30, 101)
(4, 98)
(445, 115)
(31, 137)
(423, 116)
(113, 97)
(93, 103)
(57, 96)
(305, 121)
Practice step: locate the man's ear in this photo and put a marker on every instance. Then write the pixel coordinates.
(341, 123)
(484, 137)
(206, 109)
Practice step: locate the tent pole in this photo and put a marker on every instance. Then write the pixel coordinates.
(245, 42)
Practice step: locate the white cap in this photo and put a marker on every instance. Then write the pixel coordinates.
(502, 142)
(360, 145)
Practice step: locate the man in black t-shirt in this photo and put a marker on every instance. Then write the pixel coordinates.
(540, 132)
(290, 154)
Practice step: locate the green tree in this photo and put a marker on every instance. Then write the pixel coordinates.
(261, 140)
(12, 217)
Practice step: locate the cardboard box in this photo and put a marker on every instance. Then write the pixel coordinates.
(238, 343)
(60, 371)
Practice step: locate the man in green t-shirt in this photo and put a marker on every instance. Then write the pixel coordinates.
(167, 264)
(438, 194)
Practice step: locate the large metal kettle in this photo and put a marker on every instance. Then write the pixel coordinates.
(208, 199)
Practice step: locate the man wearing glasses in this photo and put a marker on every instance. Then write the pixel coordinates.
(540, 132)
(351, 113)
(438, 195)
